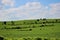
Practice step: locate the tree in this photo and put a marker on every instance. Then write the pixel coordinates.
(56, 20)
(44, 18)
(42, 25)
(37, 19)
(16, 28)
(25, 39)
(33, 26)
(12, 22)
(4, 22)
(1, 38)
(45, 39)
(35, 22)
(44, 22)
(30, 29)
(38, 39)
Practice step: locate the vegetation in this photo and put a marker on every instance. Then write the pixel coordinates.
(1, 38)
(39, 29)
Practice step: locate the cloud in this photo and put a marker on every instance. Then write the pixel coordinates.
(31, 10)
(8, 2)
(55, 10)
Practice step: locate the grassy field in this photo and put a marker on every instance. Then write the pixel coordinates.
(38, 29)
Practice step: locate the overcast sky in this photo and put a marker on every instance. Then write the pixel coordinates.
(29, 9)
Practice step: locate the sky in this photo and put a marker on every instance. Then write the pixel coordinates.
(29, 9)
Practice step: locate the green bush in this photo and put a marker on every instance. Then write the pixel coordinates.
(38, 38)
(1, 38)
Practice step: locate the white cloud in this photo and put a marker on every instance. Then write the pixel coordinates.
(55, 8)
(8, 2)
(30, 10)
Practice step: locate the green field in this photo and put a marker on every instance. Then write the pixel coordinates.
(37, 29)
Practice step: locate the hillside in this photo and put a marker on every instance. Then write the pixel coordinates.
(38, 29)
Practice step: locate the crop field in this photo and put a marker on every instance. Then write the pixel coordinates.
(37, 29)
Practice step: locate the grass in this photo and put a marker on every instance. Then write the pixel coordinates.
(50, 31)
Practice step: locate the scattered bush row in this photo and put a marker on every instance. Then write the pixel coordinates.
(36, 22)
(33, 26)
(28, 38)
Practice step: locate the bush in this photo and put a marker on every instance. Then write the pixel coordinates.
(44, 18)
(30, 29)
(4, 22)
(12, 22)
(56, 20)
(37, 19)
(43, 22)
(33, 26)
(45, 39)
(40, 29)
(16, 27)
(24, 38)
(38, 39)
(24, 22)
(35, 22)
(42, 25)
(1, 38)
(29, 38)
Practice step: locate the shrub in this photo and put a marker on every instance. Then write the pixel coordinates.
(4, 22)
(38, 39)
(33, 26)
(12, 22)
(44, 18)
(45, 39)
(57, 39)
(35, 22)
(56, 20)
(4, 27)
(43, 22)
(40, 29)
(42, 25)
(29, 38)
(24, 38)
(1, 38)
(37, 19)
(24, 22)
(16, 27)
(47, 21)
(30, 29)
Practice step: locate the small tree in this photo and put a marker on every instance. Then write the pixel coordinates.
(30, 29)
(33, 26)
(24, 22)
(45, 39)
(38, 39)
(25, 39)
(44, 22)
(44, 18)
(4, 22)
(35, 22)
(1, 38)
(12, 22)
(18, 27)
(42, 25)
(37, 19)
(56, 20)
